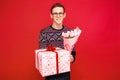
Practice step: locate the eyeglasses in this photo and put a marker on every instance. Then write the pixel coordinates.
(56, 14)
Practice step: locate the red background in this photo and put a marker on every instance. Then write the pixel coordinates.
(98, 48)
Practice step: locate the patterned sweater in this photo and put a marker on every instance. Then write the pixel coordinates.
(53, 37)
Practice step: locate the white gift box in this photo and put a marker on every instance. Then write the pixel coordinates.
(52, 62)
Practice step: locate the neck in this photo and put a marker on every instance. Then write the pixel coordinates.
(57, 26)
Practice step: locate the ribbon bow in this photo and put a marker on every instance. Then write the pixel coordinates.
(50, 48)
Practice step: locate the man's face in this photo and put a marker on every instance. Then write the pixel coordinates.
(58, 15)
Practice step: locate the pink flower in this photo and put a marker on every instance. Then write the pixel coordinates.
(70, 38)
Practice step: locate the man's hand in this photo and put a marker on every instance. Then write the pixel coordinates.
(71, 58)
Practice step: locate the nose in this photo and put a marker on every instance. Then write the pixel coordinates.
(58, 15)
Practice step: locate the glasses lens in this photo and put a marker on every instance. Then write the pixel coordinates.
(56, 14)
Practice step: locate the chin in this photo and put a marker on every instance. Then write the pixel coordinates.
(59, 23)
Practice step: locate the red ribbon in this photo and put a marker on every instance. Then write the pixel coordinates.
(52, 48)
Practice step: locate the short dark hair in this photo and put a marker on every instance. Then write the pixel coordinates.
(57, 5)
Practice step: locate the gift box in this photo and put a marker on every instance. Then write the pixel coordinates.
(52, 62)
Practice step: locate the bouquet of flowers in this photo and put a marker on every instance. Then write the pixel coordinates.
(70, 38)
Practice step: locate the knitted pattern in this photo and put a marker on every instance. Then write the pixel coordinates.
(51, 37)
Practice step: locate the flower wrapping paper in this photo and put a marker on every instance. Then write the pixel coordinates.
(46, 62)
(70, 38)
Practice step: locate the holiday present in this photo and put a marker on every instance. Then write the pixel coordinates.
(52, 62)
(70, 38)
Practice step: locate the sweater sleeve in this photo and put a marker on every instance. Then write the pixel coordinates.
(39, 40)
(42, 40)
(73, 54)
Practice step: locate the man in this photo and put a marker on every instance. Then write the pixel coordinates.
(52, 36)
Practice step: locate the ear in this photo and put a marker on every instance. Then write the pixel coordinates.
(64, 15)
(51, 16)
